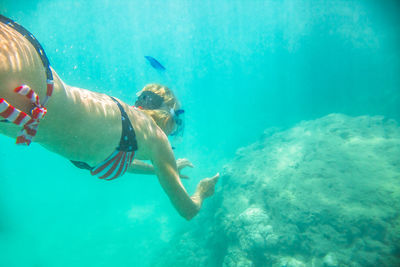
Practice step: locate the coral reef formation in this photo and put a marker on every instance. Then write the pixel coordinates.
(323, 193)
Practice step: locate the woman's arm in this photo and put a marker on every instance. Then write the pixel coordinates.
(167, 172)
(140, 167)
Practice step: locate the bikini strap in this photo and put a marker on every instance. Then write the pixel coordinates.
(29, 123)
(128, 137)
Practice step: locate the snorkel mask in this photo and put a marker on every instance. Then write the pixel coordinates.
(150, 100)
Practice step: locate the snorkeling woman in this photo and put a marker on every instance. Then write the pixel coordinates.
(95, 131)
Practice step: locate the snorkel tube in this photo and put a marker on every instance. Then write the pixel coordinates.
(179, 121)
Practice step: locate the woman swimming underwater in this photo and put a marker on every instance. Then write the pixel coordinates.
(95, 131)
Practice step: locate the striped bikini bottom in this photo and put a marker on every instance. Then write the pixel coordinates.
(117, 163)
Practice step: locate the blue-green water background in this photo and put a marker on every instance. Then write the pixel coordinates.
(238, 68)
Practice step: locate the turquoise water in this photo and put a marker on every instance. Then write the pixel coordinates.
(238, 67)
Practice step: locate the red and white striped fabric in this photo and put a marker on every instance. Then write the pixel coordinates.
(29, 123)
(12, 114)
(114, 166)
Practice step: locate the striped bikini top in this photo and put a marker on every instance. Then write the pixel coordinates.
(117, 163)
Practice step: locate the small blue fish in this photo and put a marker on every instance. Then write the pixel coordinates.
(154, 63)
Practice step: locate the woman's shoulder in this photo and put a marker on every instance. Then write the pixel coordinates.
(149, 136)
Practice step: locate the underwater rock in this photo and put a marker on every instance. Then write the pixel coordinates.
(323, 193)
(235, 257)
(252, 230)
(289, 262)
(330, 260)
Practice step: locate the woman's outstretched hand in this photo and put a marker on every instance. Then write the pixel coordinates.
(182, 163)
(206, 187)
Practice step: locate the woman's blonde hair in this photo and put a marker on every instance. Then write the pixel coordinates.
(164, 115)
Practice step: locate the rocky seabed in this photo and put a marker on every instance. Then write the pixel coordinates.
(324, 193)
